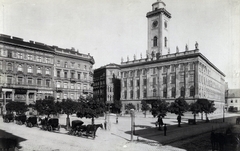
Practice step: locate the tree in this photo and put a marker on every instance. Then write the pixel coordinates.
(129, 106)
(91, 108)
(159, 107)
(68, 107)
(179, 106)
(18, 107)
(206, 107)
(46, 106)
(145, 107)
(195, 108)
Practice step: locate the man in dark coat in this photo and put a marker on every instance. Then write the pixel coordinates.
(179, 120)
(160, 122)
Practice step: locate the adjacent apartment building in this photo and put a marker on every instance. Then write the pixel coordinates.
(31, 70)
(167, 76)
(107, 83)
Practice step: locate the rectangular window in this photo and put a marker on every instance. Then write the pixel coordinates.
(39, 81)
(58, 73)
(172, 68)
(47, 71)
(85, 76)
(138, 82)
(125, 83)
(154, 80)
(58, 84)
(58, 63)
(72, 75)
(29, 57)
(9, 80)
(39, 59)
(79, 76)
(73, 64)
(20, 80)
(72, 86)
(154, 71)
(65, 85)
(181, 67)
(181, 78)
(65, 74)
(173, 79)
(78, 86)
(191, 77)
(191, 66)
(9, 54)
(131, 83)
(144, 82)
(164, 80)
(48, 83)
(30, 82)
(65, 64)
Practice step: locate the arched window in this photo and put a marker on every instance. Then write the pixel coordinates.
(173, 92)
(192, 92)
(29, 69)
(155, 41)
(9, 66)
(20, 68)
(165, 41)
(182, 91)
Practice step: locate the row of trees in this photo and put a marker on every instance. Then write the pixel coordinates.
(84, 107)
(179, 107)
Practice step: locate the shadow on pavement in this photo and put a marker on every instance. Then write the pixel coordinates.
(8, 141)
(186, 131)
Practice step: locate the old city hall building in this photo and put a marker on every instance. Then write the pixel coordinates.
(31, 70)
(187, 74)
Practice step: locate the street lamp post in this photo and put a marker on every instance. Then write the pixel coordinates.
(132, 123)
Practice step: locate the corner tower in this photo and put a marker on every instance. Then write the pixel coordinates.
(158, 29)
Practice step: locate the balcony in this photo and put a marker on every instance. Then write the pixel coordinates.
(87, 91)
(73, 80)
(59, 90)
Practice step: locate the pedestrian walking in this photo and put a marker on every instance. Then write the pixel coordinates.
(165, 129)
(160, 122)
(179, 120)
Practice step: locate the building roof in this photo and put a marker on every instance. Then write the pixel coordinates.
(109, 66)
(15, 41)
(234, 93)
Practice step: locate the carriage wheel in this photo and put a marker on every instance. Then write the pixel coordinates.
(20, 122)
(7, 121)
(50, 128)
(58, 127)
(30, 124)
(44, 127)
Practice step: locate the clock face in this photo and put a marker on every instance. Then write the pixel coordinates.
(155, 23)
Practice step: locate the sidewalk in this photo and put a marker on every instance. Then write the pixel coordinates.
(148, 131)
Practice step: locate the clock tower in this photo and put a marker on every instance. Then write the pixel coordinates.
(158, 29)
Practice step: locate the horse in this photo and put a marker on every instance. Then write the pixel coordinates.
(238, 120)
(91, 129)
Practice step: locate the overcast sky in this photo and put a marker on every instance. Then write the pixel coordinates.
(112, 29)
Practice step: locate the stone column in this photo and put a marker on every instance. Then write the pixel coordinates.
(4, 102)
(13, 95)
(196, 79)
(34, 97)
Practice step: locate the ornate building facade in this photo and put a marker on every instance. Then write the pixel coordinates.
(30, 71)
(187, 74)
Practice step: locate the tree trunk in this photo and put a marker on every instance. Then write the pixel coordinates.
(207, 120)
(68, 122)
(92, 120)
(194, 118)
(145, 113)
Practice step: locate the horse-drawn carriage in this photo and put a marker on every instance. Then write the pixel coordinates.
(31, 121)
(20, 119)
(8, 118)
(50, 124)
(78, 129)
